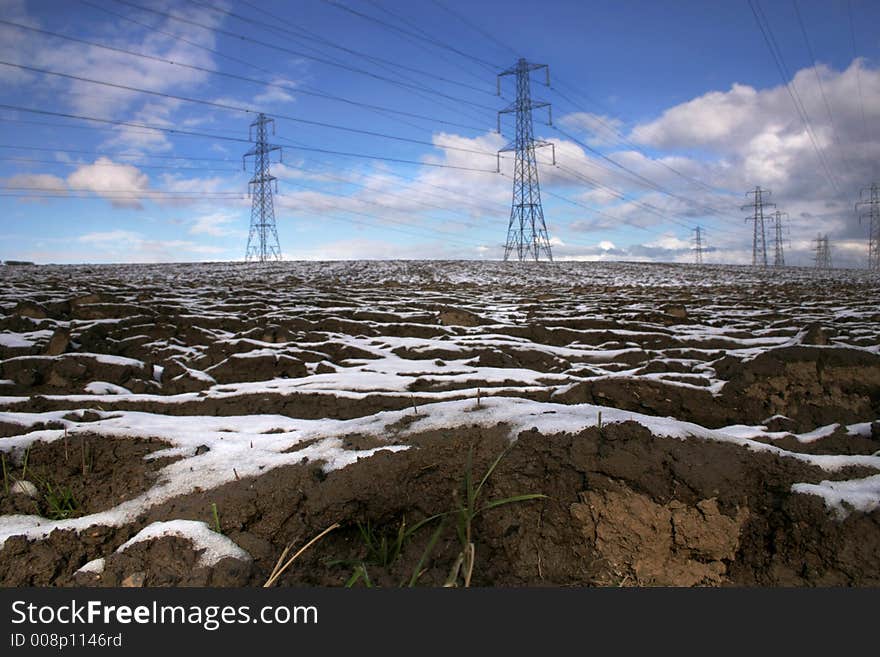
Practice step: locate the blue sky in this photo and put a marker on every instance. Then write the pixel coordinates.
(665, 115)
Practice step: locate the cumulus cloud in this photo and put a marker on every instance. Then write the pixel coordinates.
(35, 182)
(118, 183)
(761, 139)
(721, 144)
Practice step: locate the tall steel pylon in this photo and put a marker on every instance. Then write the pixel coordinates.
(263, 237)
(779, 255)
(698, 245)
(759, 241)
(869, 209)
(823, 252)
(526, 233)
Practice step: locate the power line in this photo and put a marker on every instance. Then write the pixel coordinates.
(240, 61)
(813, 60)
(779, 60)
(226, 106)
(302, 33)
(297, 90)
(69, 163)
(620, 136)
(645, 181)
(476, 27)
(482, 62)
(107, 154)
(405, 21)
(299, 53)
(313, 36)
(23, 188)
(192, 133)
(623, 140)
(458, 195)
(852, 30)
(624, 197)
(133, 196)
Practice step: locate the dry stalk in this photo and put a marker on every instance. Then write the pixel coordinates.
(281, 565)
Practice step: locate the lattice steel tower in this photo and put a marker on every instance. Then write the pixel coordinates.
(698, 245)
(263, 237)
(759, 242)
(779, 255)
(869, 208)
(526, 233)
(823, 252)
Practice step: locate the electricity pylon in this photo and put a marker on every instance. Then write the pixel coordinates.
(779, 255)
(870, 210)
(698, 245)
(263, 237)
(526, 233)
(759, 241)
(823, 252)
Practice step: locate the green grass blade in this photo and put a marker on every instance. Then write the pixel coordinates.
(510, 500)
(355, 576)
(468, 478)
(27, 454)
(421, 523)
(427, 553)
(492, 468)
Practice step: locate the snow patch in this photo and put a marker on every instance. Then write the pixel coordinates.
(843, 497)
(95, 566)
(105, 388)
(213, 546)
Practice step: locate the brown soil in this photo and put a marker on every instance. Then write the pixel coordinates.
(98, 472)
(623, 507)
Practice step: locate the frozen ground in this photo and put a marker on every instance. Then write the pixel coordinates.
(233, 371)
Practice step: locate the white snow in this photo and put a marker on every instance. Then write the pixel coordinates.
(817, 434)
(620, 340)
(95, 566)
(859, 429)
(213, 546)
(14, 340)
(104, 388)
(843, 497)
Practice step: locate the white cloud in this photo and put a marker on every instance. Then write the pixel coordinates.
(669, 241)
(601, 130)
(118, 183)
(110, 237)
(275, 94)
(757, 137)
(216, 224)
(131, 246)
(35, 182)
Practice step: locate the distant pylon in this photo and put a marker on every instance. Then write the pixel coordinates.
(870, 210)
(759, 241)
(779, 256)
(823, 252)
(526, 233)
(698, 245)
(263, 237)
